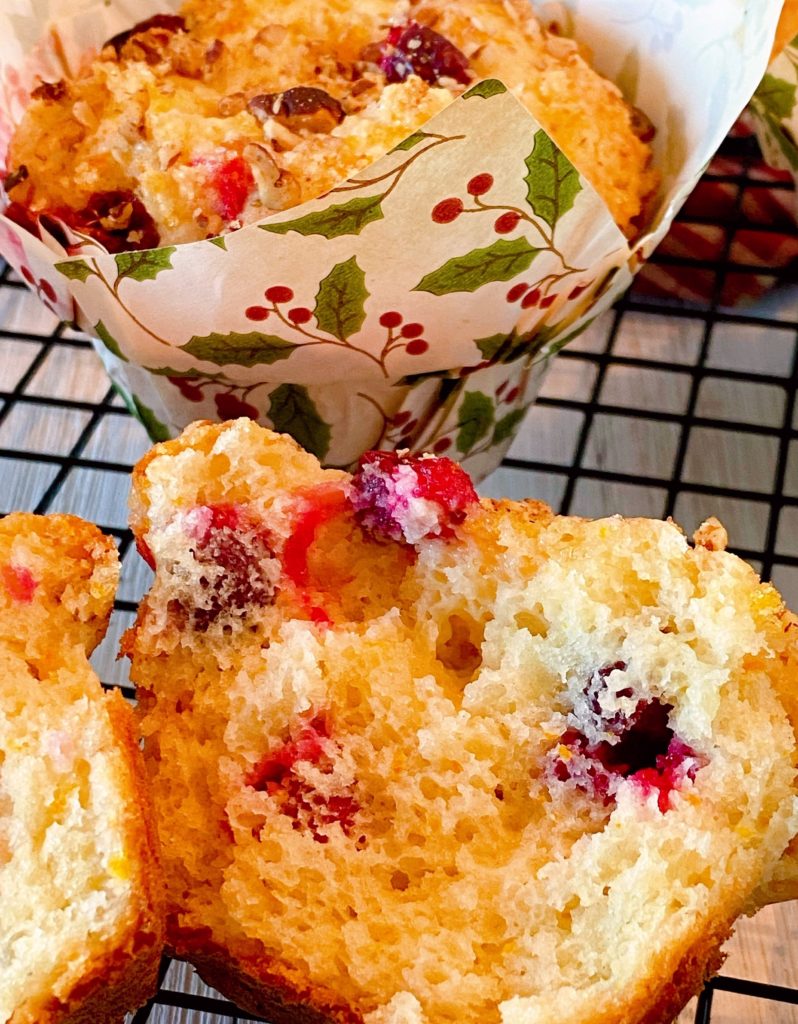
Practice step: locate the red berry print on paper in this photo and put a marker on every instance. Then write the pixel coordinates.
(480, 184)
(447, 210)
(391, 319)
(230, 407)
(187, 387)
(279, 294)
(517, 292)
(507, 222)
(256, 313)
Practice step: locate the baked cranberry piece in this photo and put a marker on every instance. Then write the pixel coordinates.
(670, 769)
(18, 582)
(232, 182)
(414, 49)
(608, 746)
(233, 548)
(319, 506)
(274, 769)
(409, 498)
(118, 220)
(21, 214)
(277, 775)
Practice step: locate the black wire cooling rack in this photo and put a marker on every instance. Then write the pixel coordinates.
(663, 407)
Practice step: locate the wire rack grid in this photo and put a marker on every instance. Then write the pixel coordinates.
(660, 408)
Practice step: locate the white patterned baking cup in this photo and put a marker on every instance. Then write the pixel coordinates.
(417, 304)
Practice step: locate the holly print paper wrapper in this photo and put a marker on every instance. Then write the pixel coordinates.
(416, 304)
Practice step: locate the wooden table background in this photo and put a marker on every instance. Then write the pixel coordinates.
(658, 409)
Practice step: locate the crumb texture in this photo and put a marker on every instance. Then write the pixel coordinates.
(516, 768)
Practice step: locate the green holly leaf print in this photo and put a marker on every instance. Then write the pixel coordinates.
(143, 265)
(110, 343)
(490, 87)
(158, 431)
(782, 137)
(219, 242)
(504, 348)
(507, 425)
(75, 270)
(474, 421)
(340, 300)
(552, 180)
(776, 95)
(236, 349)
(498, 262)
(342, 219)
(292, 411)
(411, 141)
(491, 347)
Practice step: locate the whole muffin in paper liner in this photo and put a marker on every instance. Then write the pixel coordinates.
(417, 302)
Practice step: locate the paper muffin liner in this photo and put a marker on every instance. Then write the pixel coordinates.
(416, 304)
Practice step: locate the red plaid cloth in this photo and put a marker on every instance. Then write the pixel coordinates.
(739, 218)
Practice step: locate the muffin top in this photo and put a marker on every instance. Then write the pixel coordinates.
(192, 124)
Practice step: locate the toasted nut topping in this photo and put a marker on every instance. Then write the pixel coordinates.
(49, 90)
(165, 22)
(277, 188)
(14, 178)
(233, 104)
(301, 107)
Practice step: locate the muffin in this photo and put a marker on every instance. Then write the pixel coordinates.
(192, 124)
(81, 929)
(418, 757)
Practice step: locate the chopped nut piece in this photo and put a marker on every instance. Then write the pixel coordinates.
(301, 107)
(277, 189)
(233, 104)
(167, 23)
(49, 90)
(14, 178)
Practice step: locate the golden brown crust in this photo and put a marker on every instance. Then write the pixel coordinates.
(700, 963)
(262, 985)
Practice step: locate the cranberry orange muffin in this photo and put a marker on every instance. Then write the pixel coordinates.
(81, 928)
(191, 124)
(418, 757)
